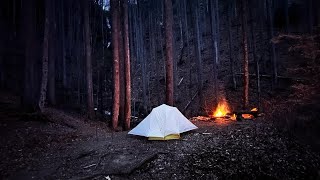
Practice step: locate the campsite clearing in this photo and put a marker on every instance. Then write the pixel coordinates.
(218, 149)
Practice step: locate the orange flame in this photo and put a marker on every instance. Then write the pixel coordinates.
(222, 109)
(233, 117)
(254, 109)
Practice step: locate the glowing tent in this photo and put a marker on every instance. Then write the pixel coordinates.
(163, 123)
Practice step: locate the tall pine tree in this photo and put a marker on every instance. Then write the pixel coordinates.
(115, 47)
(169, 51)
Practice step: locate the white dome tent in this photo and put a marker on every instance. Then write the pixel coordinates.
(163, 123)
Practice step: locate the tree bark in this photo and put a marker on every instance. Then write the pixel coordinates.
(169, 51)
(255, 58)
(262, 51)
(52, 55)
(127, 66)
(78, 59)
(142, 55)
(198, 50)
(186, 33)
(245, 54)
(273, 48)
(102, 73)
(214, 36)
(161, 60)
(87, 38)
(180, 10)
(44, 78)
(63, 41)
(115, 47)
(231, 55)
(217, 30)
(1, 61)
(121, 65)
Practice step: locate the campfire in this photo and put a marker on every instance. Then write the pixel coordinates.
(223, 111)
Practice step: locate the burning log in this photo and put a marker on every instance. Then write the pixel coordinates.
(201, 118)
(241, 115)
(226, 116)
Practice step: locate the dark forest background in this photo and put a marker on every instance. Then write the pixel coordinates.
(208, 53)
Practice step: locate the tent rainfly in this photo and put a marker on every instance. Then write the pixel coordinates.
(163, 123)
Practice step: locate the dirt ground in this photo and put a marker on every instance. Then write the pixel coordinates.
(67, 146)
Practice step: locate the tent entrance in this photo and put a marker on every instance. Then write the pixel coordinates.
(168, 137)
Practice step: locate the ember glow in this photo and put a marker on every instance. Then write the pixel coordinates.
(254, 109)
(233, 117)
(222, 109)
(247, 116)
(250, 116)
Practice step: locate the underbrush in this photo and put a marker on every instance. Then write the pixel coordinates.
(298, 114)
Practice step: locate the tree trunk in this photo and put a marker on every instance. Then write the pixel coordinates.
(262, 52)
(169, 51)
(286, 13)
(318, 13)
(102, 73)
(142, 55)
(1, 70)
(52, 55)
(255, 58)
(78, 59)
(310, 16)
(245, 54)
(121, 66)
(186, 32)
(29, 98)
(127, 66)
(44, 78)
(175, 49)
(161, 60)
(198, 50)
(231, 56)
(87, 38)
(214, 34)
(273, 48)
(262, 30)
(115, 47)
(63, 41)
(217, 30)
(1, 60)
(180, 9)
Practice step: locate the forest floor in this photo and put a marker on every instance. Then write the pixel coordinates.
(63, 145)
